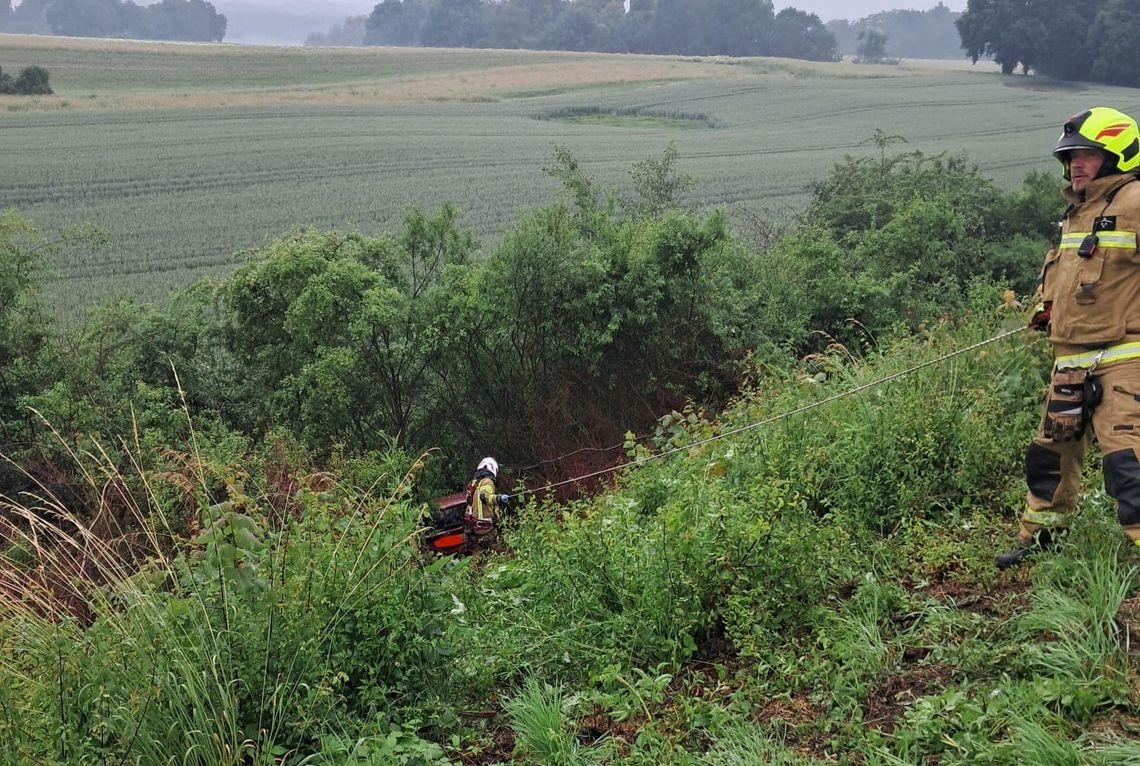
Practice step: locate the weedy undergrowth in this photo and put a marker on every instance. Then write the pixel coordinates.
(539, 715)
(292, 604)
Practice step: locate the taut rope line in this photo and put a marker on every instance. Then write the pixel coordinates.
(775, 418)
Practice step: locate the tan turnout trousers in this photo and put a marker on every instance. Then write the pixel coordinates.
(1053, 469)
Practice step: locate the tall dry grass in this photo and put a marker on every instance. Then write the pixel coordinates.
(127, 639)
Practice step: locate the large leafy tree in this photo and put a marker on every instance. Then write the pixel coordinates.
(872, 47)
(575, 28)
(396, 22)
(539, 13)
(733, 27)
(633, 31)
(86, 18)
(1059, 30)
(609, 15)
(1048, 36)
(675, 27)
(1001, 29)
(184, 20)
(335, 332)
(1116, 36)
(454, 24)
(800, 35)
(592, 316)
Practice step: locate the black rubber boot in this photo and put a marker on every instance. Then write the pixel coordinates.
(1012, 558)
(1042, 541)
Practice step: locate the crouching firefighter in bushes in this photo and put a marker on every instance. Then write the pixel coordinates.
(1090, 310)
(483, 501)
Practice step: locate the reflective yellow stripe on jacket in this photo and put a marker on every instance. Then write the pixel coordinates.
(1117, 353)
(482, 500)
(1121, 239)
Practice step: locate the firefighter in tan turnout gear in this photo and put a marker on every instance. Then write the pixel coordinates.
(1090, 290)
(484, 503)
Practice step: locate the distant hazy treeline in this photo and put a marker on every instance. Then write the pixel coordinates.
(909, 34)
(929, 34)
(688, 27)
(166, 20)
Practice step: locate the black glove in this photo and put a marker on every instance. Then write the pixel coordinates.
(1041, 316)
(504, 500)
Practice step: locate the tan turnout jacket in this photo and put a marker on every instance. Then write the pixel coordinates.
(481, 514)
(1096, 300)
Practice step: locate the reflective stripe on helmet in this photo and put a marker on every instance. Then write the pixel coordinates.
(1121, 239)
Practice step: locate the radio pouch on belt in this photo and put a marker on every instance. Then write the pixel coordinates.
(1073, 395)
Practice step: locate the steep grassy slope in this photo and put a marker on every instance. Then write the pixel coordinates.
(816, 590)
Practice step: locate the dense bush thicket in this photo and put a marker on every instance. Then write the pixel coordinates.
(224, 566)
(691, 27)
(592, 317)
(738, 540)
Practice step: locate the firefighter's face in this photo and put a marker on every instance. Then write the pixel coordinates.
(1084, 164)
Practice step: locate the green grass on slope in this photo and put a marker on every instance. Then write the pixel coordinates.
(817, 591)
(850, 611)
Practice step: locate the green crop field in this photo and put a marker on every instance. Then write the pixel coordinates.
(183, 155)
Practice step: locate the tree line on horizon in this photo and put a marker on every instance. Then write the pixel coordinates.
(1034, 37)
(185, 20)
(905, 33)
(684, 27)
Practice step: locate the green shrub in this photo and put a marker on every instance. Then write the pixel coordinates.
(396, 746)
(33, 81)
